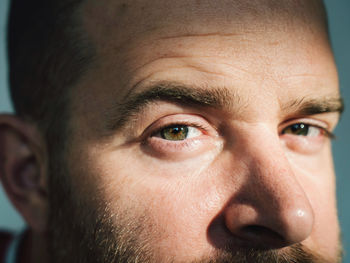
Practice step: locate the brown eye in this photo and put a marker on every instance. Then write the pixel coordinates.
(175, 133)
(302, 129)
(179, 132)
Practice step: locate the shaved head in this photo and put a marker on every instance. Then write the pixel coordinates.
(262, 49)
(40, 81)
(225, 16)
(181, 131)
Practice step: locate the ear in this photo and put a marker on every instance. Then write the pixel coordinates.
(23, 170)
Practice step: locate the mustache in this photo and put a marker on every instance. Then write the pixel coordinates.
(296, 253)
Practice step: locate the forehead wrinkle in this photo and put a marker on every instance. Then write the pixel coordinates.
(193, 35)
(127, 20)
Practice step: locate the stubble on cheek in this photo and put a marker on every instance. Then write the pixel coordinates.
(115, 224)
(86, 228)
(91, 230)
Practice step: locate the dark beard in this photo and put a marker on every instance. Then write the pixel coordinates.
(102, 245)
(84, 231)
(294, 254)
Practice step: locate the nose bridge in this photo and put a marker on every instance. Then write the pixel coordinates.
(270, 197)
(273, 188)
(269, 170)
(272, 177)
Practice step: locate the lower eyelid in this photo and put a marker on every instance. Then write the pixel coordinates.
(178, 150)
(304, 144)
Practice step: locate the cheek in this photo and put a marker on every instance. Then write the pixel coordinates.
(317, 167)
(180, 210)
(175, 201)
(327, 230)
(316, 175)
(325, 235)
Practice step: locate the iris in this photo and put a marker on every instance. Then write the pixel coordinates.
(297, 129)
(175, 133)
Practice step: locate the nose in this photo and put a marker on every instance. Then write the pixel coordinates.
(271, 209)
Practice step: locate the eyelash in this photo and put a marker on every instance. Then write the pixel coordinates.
(325, 132)
(156, 144)
(168, 125)
(204, 129)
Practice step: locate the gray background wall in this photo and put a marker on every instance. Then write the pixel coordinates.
(339, 16)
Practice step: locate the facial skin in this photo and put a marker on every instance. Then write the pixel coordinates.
(243, 178)
(242, 184)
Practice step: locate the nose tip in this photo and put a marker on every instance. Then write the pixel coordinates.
(298, 225)
(269, 207)
(270, 227)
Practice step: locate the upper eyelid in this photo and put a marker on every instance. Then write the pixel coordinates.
(180, 124)
(196, 121)
(158, 131)
(205, 123)
(328, 133)
(311, 125)
(196, 124)
(306, 120)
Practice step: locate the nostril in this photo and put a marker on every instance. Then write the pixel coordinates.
(261, 237)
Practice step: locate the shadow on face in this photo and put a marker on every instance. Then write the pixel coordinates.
(207, 131)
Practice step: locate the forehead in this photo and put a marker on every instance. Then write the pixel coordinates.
(132, 18)
(124, 21)
(122, 28)
(258, 47)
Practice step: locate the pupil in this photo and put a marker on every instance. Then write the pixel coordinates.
(300, 129)
(177, 130)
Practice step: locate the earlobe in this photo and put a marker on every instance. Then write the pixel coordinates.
(22, 170)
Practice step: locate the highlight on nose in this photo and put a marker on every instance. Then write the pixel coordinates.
(299, 224)
(270, 227)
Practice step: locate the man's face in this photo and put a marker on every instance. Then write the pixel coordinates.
(201, 133)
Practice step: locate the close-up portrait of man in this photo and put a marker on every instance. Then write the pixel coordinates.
(171, 131)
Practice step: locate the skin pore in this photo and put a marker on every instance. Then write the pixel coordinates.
(201, 133)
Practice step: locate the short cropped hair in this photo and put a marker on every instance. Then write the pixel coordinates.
(47, 54)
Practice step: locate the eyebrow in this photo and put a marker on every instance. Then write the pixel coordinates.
(190, 96)
(119, 114)
(311, 106)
